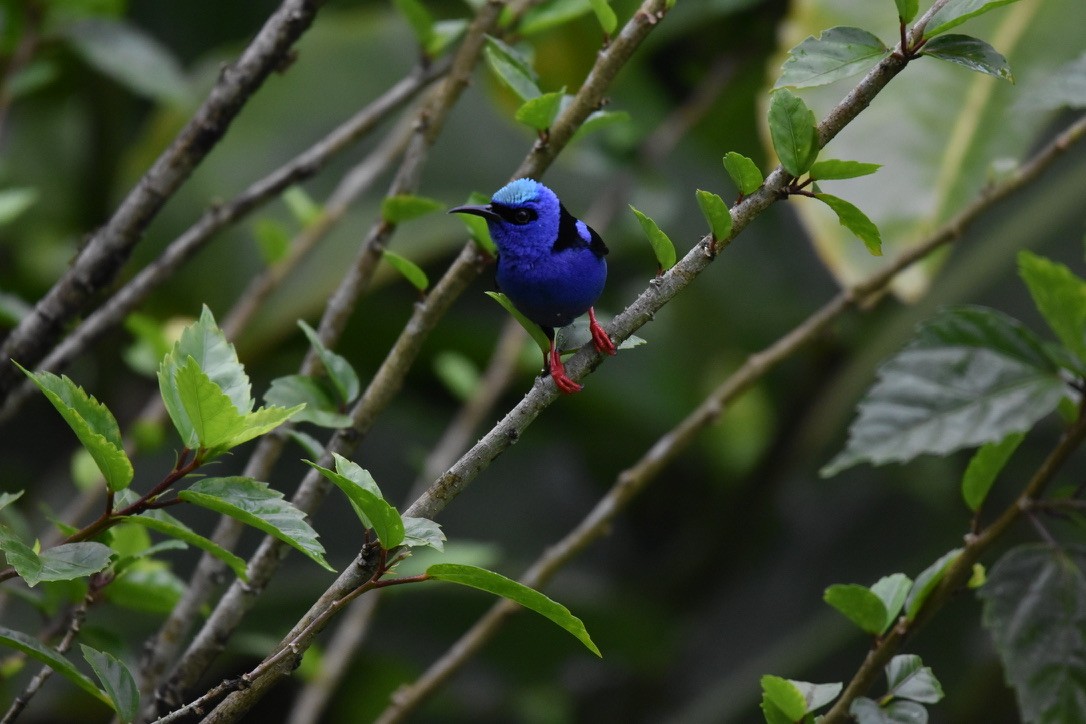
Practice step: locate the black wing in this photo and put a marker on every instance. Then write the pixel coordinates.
(569, 237)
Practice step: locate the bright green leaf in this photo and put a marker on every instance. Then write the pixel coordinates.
(662, 246)
(322, 406)
(37, 650)
(744, 173)
(512, 68)
(793, 132)
(605, 15)
(956, 12)
(979, 576)
(716, 213)
(477, 227)
(445, 33)
(907, 9)
(117, 680)
(301, 205)
(983, 468)
(892, 590)
(531, 327)
(338, 368)
(254, 503)
(926, 582)
(972, 53)
(832, 169)
(418, 17)
(909, 679)
(166, 524)
(551, 15)
(1060, 297)
(531, 599)
(837, 53)
(13, 202)
(273, 240)
(406, 207)
(600, 119)
(375, 512)
(786, 697)
(151, 345)
(855, 221)
(411, 271)
(859, 605)
(539, 112)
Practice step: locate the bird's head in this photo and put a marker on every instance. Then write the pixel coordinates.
(522, 216)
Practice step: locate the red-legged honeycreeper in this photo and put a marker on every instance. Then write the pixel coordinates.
(551, 266)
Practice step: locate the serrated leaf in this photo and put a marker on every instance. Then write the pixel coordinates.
(1060, 297)
(868, 711)
(985, 466)
(716, 213)
(908, 678)
(418, 17)
(926, 582)
(972, 53)
(55, 661)
(892, 590)
(512, 68)
(64, 562)
(497, 584)
(956, 12)
(605, 15)
(971, 376)
(422, 532)
(13, 202)
(855, 221)
(255, 504)
(1035, 612)
(786, 697)
(375, 511)
(832, 169)
(662, 246)
(837, 53)
(338, 368)
(301, 205)
(793, 132)
(406, 207)
(533, 329)
(539, 112)
(907, 9)
(743, 172)
(162, 522)
(92, 423)
(410, 271)
(322, 407)
(859, 605)
(117, 681)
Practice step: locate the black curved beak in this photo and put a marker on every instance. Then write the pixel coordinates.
(487, 212)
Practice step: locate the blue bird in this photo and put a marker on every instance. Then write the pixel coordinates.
(551, 266)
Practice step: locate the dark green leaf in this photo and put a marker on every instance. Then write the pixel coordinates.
(926, 582)
(744, 173)
(338, 368)
(983, 468)
(855, 221)
(716, 213)
(837, 53)
(859, 605)
(605, 15)
(42, 653)
(786, 697)
(531, 327)
(1060, 296)
(539, 112)
(117, 680)
(909, 679)
(301, 205)
(148, 586)
(793, 132)
(832, 169)
(92, 423)
(406, 207)
(322, 405)
(956, 12)
(13, 202)
(374, 511)
(973, 53)
(512, 68)
(422, 532)
(662, 246)
(892, 591)
(907, 9)
(531, 599)
(64, 562)
(254, 503)
(1035, 610)
(411, 271)
(972, 376)
(868, 711)
(418, 17)
(166, 524)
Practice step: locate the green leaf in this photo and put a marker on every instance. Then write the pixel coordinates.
(832, 169)
(598, 120)
(793, 132)
(374, 511)
(1064, 87)
(971, 376)
(1060, 297)
(131, 57)
(64, 562)
(411, 271)
(273, 240)
(418, 17)
(1033, 609)
(166, 524)
(605, 15)
(783, 695)
(907, 9)
(512, 68)
(837, 53)
(338, 368)
(148, 586)
(92, 423)
(661, 244)
(7, 499)
(254, 503)
(985, 466)
(868, 711)
(445, 33)
(855, 221)
(956, 12)
(42, 653)
(477, 227)
(406, 207)
(551, 15)
(420, 532)
(322, 406)
(13, 202)
(531, 327)
(909, 679)
(817, 695)
(301, 205)
(457, 372)
(150, 346)
(926, 582)
(531, 599)
(744, 173)
(973, 53)
(539, 112)
(119, 685)
(859, 605)
(716, 213)
(892, 590)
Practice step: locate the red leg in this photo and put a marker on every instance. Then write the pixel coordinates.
(558, 373)
(600, 339)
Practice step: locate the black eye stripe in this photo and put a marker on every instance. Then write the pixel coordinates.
(519, 215)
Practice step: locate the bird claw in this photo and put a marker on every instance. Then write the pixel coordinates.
(558, 373)
(600, 338)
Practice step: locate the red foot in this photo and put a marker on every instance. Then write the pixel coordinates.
(558, 373)
(600, 339)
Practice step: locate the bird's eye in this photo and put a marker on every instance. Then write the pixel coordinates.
(523, 216)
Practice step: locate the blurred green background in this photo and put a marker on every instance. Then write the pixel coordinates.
(714, 576)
